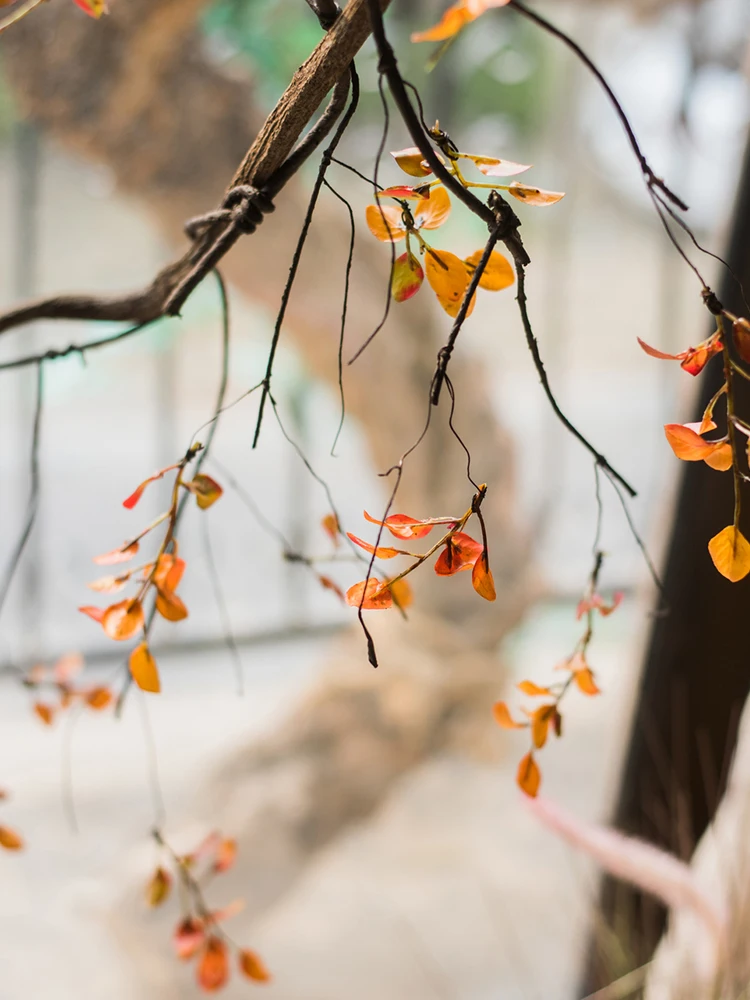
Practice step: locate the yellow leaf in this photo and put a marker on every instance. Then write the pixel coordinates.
(251, 965)
(534, 196)
(456, 18)
(448, 279)
(730, 551)
(143, 669)
(385, 223)
(482, 581)
(411, 162)
(491, 166)
(498, 273)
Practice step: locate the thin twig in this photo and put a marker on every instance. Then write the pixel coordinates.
(33, 503)
(312, 203)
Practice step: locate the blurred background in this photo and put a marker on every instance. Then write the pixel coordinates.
(440, 884)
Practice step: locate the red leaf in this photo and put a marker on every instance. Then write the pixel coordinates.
(461, 552)
(188, 937)
(136, 495)
(94, 8)
(406, 278)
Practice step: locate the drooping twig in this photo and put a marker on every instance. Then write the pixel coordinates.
(33, 503)
(344, 309)
(653, 182)
(389, 68)
(311, 205)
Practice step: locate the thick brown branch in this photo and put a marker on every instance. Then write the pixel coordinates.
(271, 148)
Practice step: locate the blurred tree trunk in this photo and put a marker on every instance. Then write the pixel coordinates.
(138, 93)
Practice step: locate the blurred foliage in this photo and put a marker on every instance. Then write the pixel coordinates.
(495, 71)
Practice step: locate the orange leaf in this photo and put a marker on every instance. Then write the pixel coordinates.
(503, 717)
(411, 162)
(530, 688)
(136, 495)
(170, 606)
(123, 554)
(696, 358)
(741, 333)
(9, 839)
(96, 613)
(461, 552)
(407, 277)
(481, 579)
(381, 552)
(540, 722)
(448, 279)
(251, 965)
(730, 551)
(584, 678)
(385, 222)
(94, 8)
(225, 855)
(331, 527)
(206, 490)
(213, 968)
(188, 937)
(45, 712)
(498, 273)
(122, 621)
(529, 777)
(534, 195)
(158, 887)
(490, 166)
(721, 458)
(143, 669)
(98, 698)
(169, 573)
(377, 596)
(456, 18)
(686, 444)
(405, 527)
(430, 213)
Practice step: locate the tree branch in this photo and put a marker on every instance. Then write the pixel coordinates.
(270, 153)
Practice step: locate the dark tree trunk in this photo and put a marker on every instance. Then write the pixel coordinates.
(696, 677)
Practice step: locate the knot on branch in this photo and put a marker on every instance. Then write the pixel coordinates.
(711, 302)
(246, 206)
